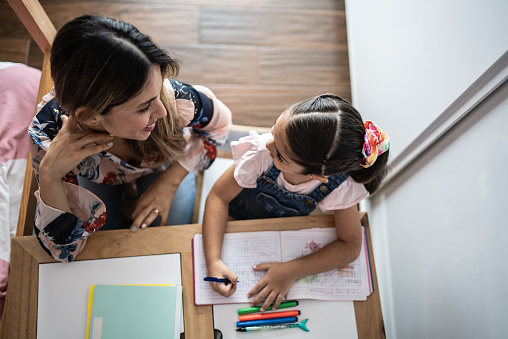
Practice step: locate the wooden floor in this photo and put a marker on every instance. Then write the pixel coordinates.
(258, 56)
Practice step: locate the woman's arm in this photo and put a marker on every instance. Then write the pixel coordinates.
(67, 214)
(281, 276)
(159, 196)
(214, 226)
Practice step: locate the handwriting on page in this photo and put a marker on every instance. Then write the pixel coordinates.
(345, 281)
(240, 253)
(242, 250)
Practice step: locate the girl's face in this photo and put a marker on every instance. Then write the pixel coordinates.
(136, 118)
(279, 148)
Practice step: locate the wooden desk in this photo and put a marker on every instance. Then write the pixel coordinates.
(20, 318)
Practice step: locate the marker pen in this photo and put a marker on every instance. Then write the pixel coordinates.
(285, 304)
(266, 322)
(270, 315)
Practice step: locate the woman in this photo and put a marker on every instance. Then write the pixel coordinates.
(115, 116)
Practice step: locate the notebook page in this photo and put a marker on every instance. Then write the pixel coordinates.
(350, 282)
(240, 251)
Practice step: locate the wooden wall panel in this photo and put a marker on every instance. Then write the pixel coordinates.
(10, 25)
(164, 23)
(261, 105)
(290, 66)
(175, 2)
(333, 5)
(14, 50)
(227, 64)
(279, 27)
(35, 56)
(259, 56)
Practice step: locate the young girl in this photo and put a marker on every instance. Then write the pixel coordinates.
(319, 153)
(117, 116)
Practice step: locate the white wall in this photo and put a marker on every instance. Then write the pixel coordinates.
(438, 226)
(411, 59)
(445, 232)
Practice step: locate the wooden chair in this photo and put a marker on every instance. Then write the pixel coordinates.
(40, 27)
(43, 32)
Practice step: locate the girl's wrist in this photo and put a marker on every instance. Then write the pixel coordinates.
(212, 262)
(293, 269)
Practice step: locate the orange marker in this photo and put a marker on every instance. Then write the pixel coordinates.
(260, 316)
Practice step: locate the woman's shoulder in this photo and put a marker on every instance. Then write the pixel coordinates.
(181, 96)
(180, 89)
(48, 121)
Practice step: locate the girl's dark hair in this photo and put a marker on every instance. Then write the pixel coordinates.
(99, 63)
(326, 134)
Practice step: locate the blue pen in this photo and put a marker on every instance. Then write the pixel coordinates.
(273, 321)
(224, 280)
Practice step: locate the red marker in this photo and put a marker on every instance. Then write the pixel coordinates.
(272, 315)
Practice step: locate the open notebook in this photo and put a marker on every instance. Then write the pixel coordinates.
(241, 251)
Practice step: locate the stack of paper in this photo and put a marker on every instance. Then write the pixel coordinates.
(134, 311)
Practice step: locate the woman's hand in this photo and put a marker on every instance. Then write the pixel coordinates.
(155, 201)
(66, 151)
(274, 285)
(219, 270)
(158, 198)
(70, 147)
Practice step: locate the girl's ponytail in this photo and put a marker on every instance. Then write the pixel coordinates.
(376, 144)
(373, 176)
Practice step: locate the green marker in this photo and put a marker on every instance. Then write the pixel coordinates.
(285, 304)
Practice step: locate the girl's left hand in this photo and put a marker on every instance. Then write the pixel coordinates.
(274, 285)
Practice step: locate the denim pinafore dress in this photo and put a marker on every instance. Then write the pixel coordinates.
(269, 200)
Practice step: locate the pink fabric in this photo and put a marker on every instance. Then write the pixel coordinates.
(19, 85)
(4, 273)
(252, 159)
(18, 96)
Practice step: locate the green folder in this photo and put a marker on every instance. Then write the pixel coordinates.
(136, 311)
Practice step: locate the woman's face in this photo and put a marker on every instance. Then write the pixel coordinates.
(279, 148)
(136, 118)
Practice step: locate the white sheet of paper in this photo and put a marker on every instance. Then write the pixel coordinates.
(63, 288)
(327, 319)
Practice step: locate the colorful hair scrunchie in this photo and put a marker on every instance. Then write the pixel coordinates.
(376, 142)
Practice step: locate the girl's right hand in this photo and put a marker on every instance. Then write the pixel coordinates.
(220, 270)
(70, 147)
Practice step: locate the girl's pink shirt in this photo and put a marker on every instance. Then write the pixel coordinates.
(252, 159)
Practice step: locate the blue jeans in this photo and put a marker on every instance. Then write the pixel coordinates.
(180, 212)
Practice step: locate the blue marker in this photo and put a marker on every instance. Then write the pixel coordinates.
(273, 321)
(300, 325)
(224, 280)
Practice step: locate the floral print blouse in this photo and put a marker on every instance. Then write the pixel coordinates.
(206, 122)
